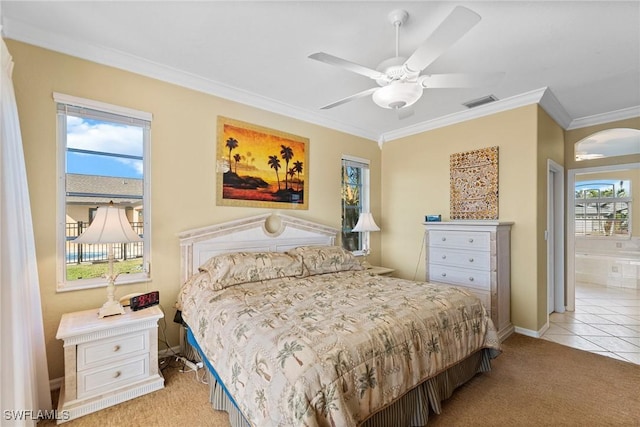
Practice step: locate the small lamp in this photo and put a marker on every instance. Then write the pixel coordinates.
(109, 226)
(365, 223)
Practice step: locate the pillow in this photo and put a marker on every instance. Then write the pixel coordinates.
(242, 267)
(199, 280)
(325, 259)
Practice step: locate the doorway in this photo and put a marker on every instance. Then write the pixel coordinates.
(600, 318)
(573, 176)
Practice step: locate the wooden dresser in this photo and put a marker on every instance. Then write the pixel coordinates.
(474, 255)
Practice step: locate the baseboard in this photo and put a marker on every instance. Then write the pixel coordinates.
(530, 333)
(56, 383)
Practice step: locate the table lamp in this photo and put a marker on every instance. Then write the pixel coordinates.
(365, 223)
(110, 226)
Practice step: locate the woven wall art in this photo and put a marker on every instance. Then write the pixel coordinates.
(474, 184)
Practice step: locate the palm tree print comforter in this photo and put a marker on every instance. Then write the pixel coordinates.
(331, 349)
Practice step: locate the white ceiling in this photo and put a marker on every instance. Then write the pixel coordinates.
(579, 59)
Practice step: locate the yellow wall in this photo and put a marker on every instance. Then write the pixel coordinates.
(550, 146)
(183, 143)
(415, 182)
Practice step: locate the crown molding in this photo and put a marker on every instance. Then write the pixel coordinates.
(113, 58)
(552, 106)
(598, 119)
(121, 60)
(528, 98)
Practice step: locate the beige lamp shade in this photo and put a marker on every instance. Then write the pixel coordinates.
(110, 225)
(366, 223)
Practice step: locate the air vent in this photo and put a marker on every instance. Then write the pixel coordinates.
(480, 101)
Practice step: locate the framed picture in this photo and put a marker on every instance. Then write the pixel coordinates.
(261, 167)
(474, 184)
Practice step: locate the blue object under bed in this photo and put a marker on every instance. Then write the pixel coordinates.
(194, 343)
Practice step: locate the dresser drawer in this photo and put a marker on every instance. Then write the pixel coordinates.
(463, 240)
(109, 377)
(459, 276)
(98, 353)
(468, 259)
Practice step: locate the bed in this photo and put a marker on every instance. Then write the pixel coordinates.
(294, 332)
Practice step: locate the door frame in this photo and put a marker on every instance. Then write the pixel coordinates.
(555, 238)
(571, 226)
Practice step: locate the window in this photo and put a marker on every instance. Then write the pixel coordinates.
(355, 199)
(608, 143)
(103, 157)
(603, 208)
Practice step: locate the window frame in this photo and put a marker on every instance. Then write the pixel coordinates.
(628, 200)
(115, 114)
(365, 197)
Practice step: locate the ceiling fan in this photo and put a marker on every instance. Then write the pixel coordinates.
(399, 79)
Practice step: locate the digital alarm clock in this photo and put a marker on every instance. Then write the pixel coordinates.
(145, 300)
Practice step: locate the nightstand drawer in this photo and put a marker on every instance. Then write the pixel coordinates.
(109, 377)
(476, 260)
(98, 353)
(458, 276)
(463, 240)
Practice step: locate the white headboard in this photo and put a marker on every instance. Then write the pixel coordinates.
(260, 233)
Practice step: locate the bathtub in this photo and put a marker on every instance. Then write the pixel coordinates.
(620, 269)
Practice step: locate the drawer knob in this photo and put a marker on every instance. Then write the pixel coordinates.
(117, 374)
(471, 279)
(470, 259)
(116, 348)
(444, 274)
(444, 257)
(444, 239)
(470, 240)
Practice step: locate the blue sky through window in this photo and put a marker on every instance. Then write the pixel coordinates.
(104, 137)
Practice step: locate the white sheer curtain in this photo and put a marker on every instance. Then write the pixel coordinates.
(24, 377)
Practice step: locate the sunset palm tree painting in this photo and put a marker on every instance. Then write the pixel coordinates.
(266, 168)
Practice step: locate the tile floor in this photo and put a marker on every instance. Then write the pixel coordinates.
(606, 321)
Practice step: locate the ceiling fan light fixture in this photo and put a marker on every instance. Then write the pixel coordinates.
(397, 95)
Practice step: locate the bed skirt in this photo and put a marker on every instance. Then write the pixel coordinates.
(411, 410)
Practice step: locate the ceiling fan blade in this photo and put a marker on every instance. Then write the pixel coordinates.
(460, 80)
(405, 112)
(456, 25)
(350, 98)
(347, 65)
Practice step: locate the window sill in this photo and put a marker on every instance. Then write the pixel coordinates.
(616, 237)
(101, 282)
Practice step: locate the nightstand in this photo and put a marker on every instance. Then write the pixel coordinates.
(380, 271)
(108, 361)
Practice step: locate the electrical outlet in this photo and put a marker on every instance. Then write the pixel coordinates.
(618, 245)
